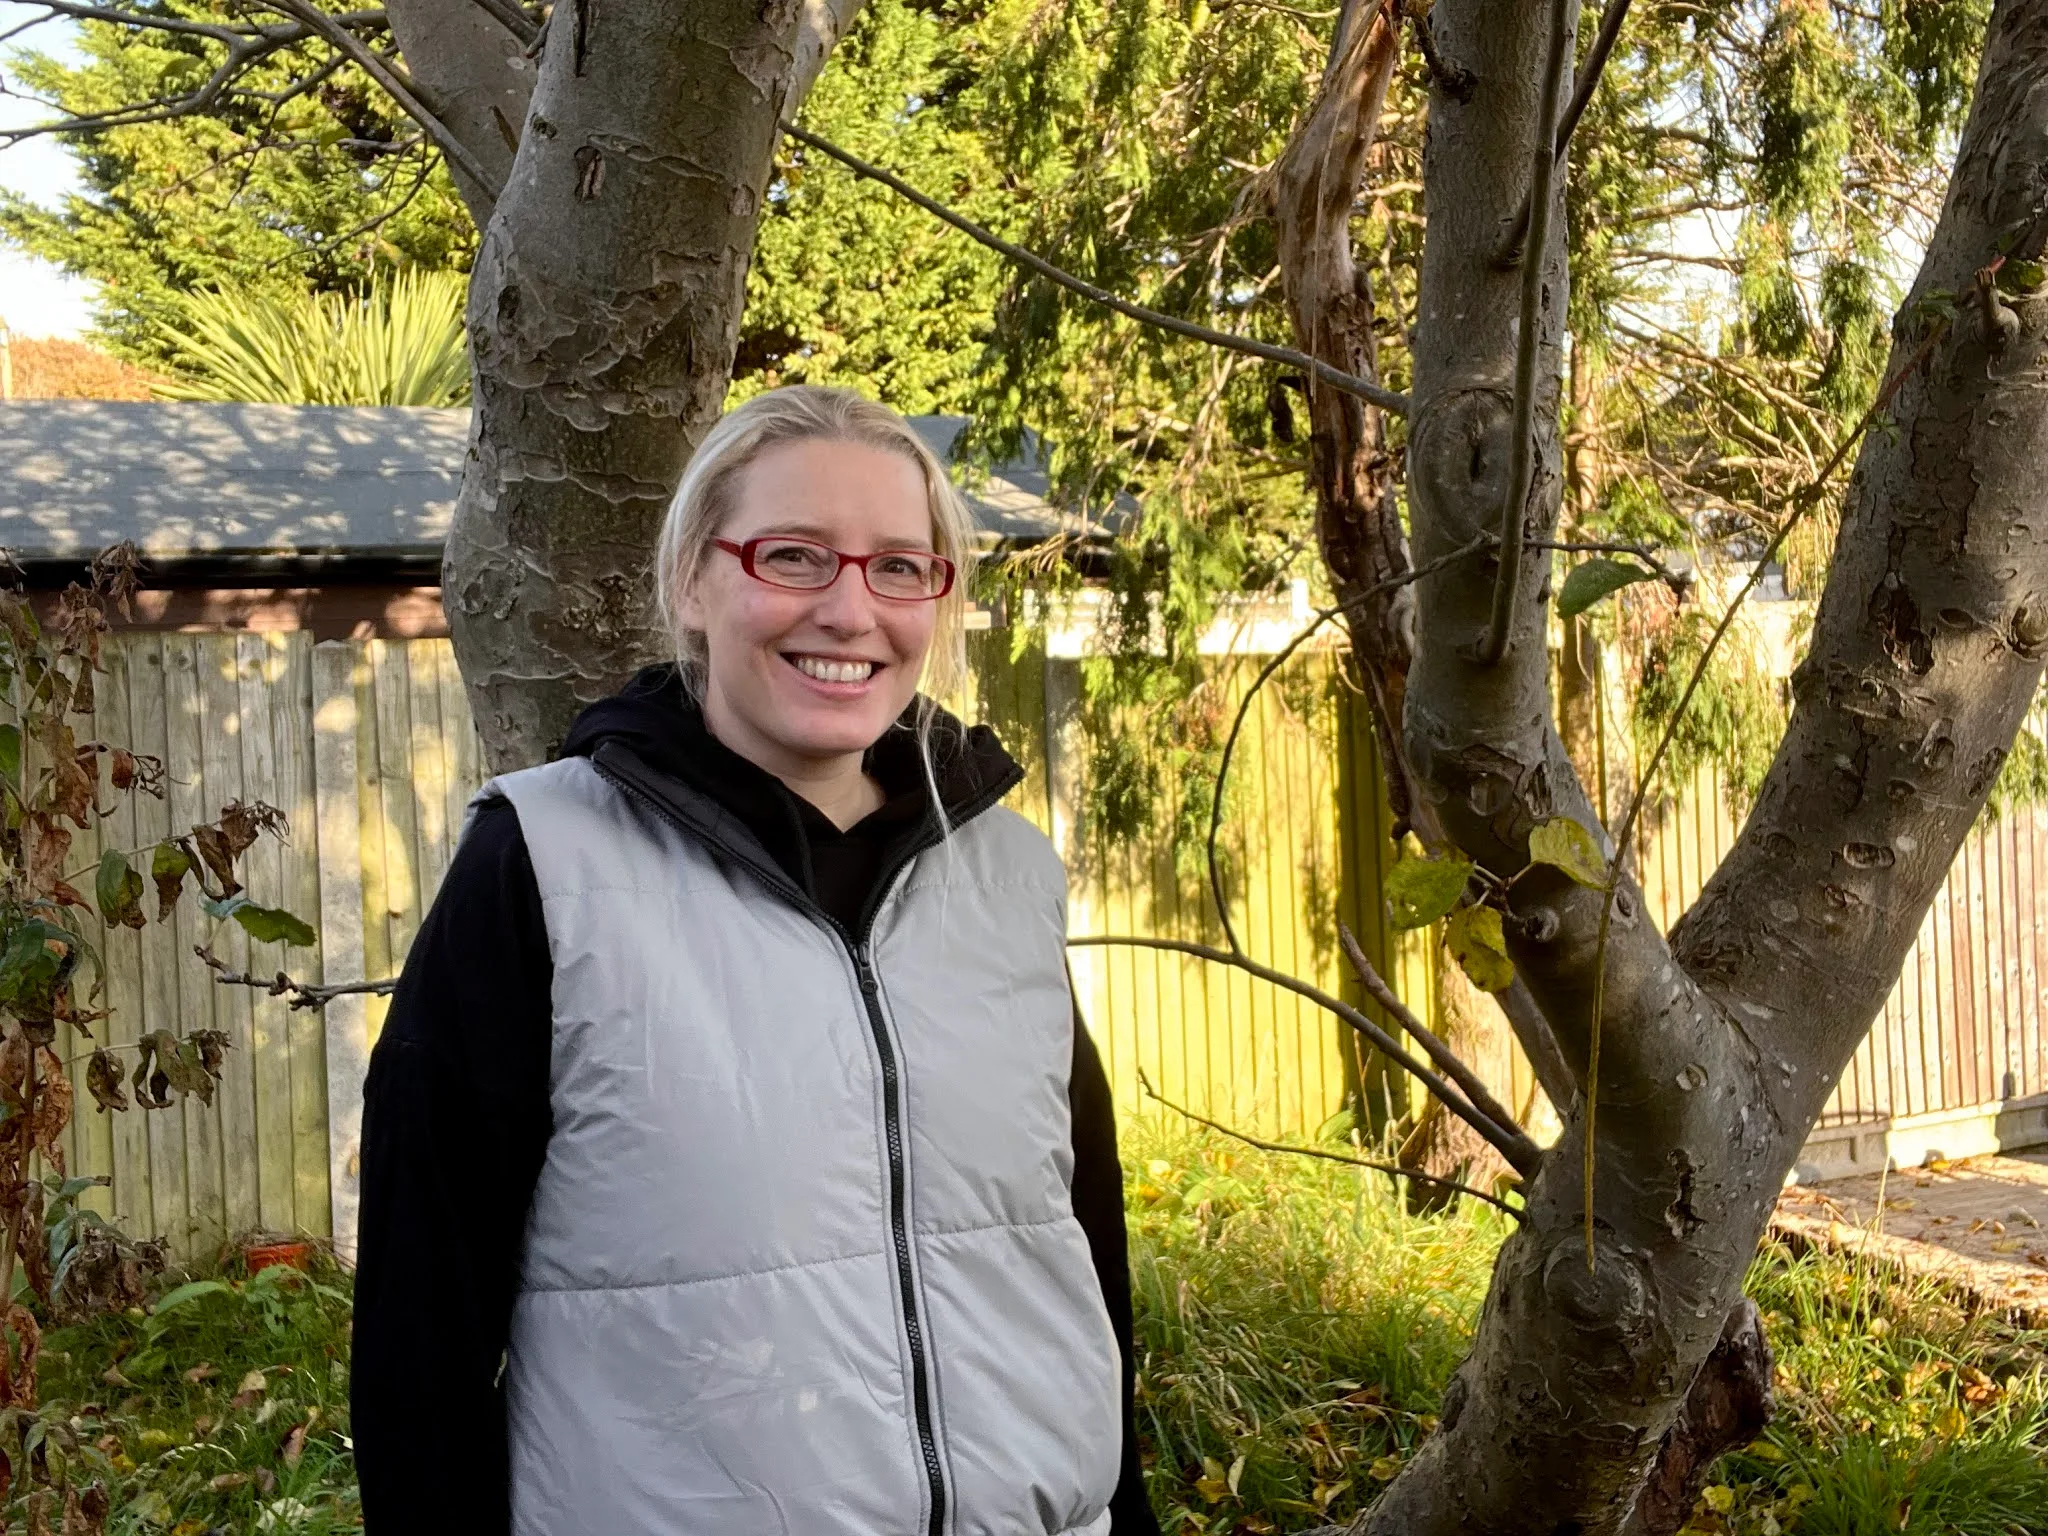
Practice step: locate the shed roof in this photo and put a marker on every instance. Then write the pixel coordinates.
(206, 489)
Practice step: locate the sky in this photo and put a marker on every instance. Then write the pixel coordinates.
(36, 299)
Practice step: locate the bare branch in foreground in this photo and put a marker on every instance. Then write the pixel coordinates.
(1522, 1154)
(1272, 666)
(1445, 1058)
(387, 78)
(1365, 389)
(1582, 96)
(303, 994)
(1329, 1157)
(1514, 512)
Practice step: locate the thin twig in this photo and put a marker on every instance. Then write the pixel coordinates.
(1522, 1154)
(1329, 1157)
(1445, 1058)
(509, 16)
(1317, 620)
(1582, 96)
(387, 77)
(1365, 389)
(1677, 580)
(1507, 578)
(303, 994)
(1802, 503)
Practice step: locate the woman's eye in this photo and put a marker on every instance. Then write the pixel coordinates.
(795, 556)
(900, 565)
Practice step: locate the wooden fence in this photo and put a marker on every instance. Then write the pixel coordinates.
(1963, 1026)
(369, 748)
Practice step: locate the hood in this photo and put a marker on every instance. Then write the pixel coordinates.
(655, 718)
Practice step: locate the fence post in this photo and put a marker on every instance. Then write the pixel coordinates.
(339, 809)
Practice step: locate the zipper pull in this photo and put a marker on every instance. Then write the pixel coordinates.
(863, 968)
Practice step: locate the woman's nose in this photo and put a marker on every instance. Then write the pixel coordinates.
(847, 606)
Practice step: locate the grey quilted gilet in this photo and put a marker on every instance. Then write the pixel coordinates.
(802, 1260)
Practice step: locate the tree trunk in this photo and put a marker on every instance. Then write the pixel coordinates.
(603, 313)
(1926, 651)
(1313, 188)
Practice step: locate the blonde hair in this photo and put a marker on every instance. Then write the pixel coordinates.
(800, 413)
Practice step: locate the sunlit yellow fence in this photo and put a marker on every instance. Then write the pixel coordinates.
(369, 748)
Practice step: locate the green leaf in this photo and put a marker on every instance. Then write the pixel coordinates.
(1480, 947)
(273, 925)
(1419, 891)
(1339, 1126)
(1595, 579)
(1564, 844)
(10, 751)
(119, 888)
(191, 1290)
(168, 867)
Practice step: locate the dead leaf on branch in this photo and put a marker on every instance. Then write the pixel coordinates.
(119, 888)
(218, 858)
(103, 1081)
(22, 1339)
(169, 864)
(48, 846)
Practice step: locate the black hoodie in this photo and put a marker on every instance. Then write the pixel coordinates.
(456, 1113)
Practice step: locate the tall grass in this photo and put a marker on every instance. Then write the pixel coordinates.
(1296, 1326)
(396, 341)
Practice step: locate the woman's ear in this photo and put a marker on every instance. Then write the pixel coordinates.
(691, 608)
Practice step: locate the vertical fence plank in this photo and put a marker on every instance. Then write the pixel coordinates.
(138, 822)
(258, 678)
(291, 728)
(339, 794)
(223, 733)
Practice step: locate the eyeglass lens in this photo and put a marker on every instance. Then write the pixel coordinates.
(798, 563)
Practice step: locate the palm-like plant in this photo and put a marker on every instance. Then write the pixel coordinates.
(392, 342)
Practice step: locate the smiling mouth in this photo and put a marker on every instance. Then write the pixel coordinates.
(827, 671)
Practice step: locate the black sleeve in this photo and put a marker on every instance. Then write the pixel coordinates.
(455, 1128)
(1099, 1206)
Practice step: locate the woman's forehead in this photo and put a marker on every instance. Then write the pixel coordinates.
(826, 490)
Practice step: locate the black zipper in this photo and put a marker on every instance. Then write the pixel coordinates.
(899, 1232)
(627, 775)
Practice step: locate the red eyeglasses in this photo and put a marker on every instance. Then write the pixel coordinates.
(802, 565)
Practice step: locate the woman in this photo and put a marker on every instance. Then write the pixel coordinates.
(734, 1162)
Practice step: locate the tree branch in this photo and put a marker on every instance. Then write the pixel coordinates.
(1582, 95)
(1365, 389)
(1329, 1157)
(1522, 1154)
(303, 994)
(1514, 514)
(389, 79)
(1445, 1058)
(1273, 665)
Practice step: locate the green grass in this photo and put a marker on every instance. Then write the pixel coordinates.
(1296, 1326)
(223, 1410)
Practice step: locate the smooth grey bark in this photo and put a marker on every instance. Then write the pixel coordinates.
(1718, 1051)
(603, 313)
(472, 74)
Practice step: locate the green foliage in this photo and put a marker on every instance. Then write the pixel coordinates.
(850, 284)
(396, 341)
(321, 191)
(222, 1407)
(1564, 844)
(1419, 891)
(1297, 1323)
(1591, 580)
(1735, 719)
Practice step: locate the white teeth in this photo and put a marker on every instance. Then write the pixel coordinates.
(834, 671)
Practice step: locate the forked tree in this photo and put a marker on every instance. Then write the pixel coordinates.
(616, 154)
